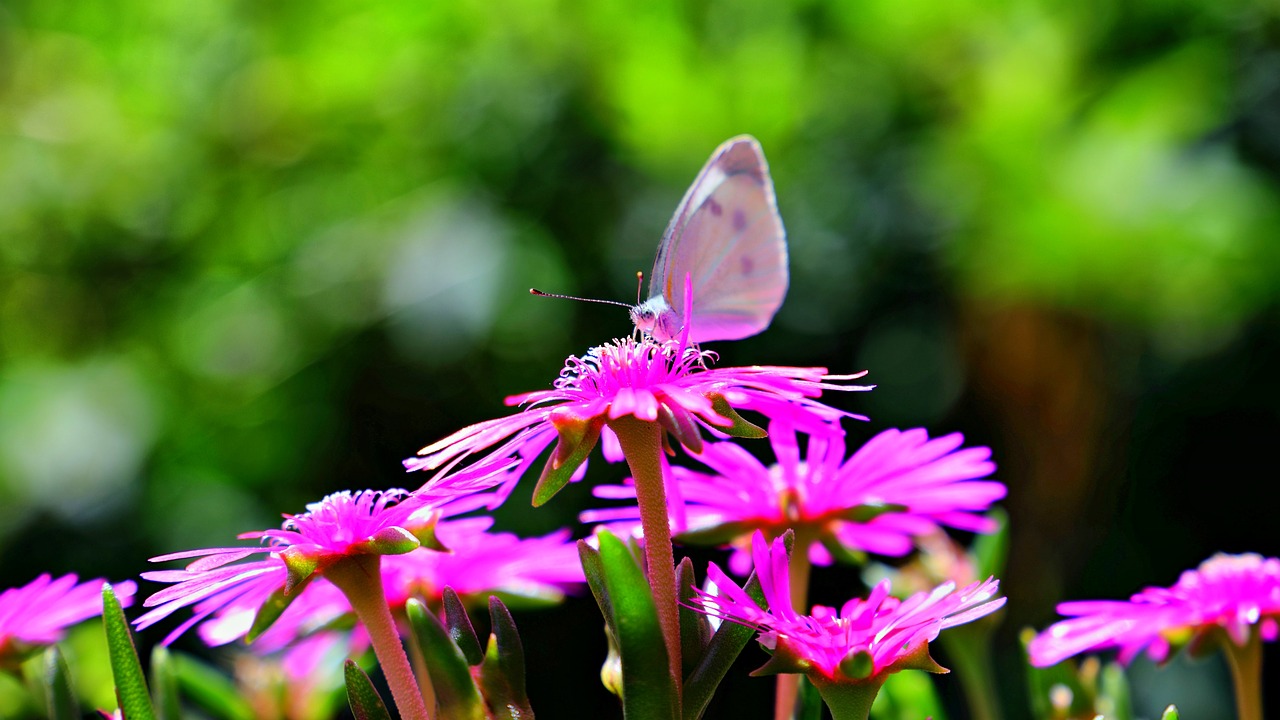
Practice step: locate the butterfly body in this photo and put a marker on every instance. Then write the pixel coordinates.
(726, 238)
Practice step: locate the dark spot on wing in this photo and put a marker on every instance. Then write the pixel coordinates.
(739, 220)
(714, 207)
(748, 265)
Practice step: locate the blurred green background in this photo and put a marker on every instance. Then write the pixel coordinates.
(252, 253)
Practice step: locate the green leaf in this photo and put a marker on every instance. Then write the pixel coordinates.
(126, 669)
(740, 427)
(648, 690)
(990, 551)
(59, 694)
(1170, 713)
(502, 672)
(456, 692)
(1113, 696)
(366, 704)
(593, 568)
(209, 688)
(460, 629)
(164, 684)
(1042, 681)
(722, 650)
(695, 628)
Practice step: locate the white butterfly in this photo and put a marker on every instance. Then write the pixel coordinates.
(727, 239)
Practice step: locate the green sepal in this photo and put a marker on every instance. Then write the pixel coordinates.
(425, 532)
(783, 661)
(209, 688)
(301, 568)
(870, 511)
(455, 690)
(366, 703)
(1170, 713)
(857, 665)
(682, 427)
(502, 672)
(738, 427)
(273, 607)
(578, 437)
(695, 628)
(918, 658)
(60, 696)
(392, 540)
(721, 652)
(990, 550)
(164, 684)
(126, 669)
(648, 690)
(461, 632)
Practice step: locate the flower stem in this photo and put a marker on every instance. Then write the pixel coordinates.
(642, 445)
(359, 577)
(788, 684)
(1246, 675)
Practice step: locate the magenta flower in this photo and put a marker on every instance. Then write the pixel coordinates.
(896, 488)
(37, 613)
(476, 564)
(861, 643)
(666, 383)
(1232, 593)
(340, 526)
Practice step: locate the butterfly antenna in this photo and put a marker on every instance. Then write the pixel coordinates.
(639, 284)
(539, 293)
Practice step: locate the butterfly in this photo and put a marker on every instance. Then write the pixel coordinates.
(727, 240)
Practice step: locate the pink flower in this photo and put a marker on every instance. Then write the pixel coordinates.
(36, 614)
(896, 488)
(862, 642)
(668, 383)
(341, 525)
(476, 564)
(1229, 592)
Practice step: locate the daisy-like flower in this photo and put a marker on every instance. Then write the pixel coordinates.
(897, 488)
(1236, 597)
(846, 653)
(476, 564)
(37, 614)
(667, 384)
(341, 538)
(650, 395)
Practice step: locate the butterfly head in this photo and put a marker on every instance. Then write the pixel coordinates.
(655, 318)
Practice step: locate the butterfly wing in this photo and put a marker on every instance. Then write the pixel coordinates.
(727, 235)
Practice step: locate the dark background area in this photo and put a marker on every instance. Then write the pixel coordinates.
(251, 254)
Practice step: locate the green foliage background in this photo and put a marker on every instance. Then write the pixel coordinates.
(252, 253)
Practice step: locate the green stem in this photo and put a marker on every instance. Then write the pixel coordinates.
(642, 445)
(359, 577)
(1246, 675)
(969, 647)
(788, 684)
(847, 701)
